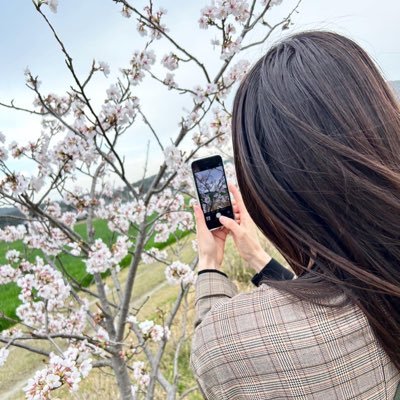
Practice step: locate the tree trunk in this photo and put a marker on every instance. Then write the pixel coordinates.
(171, 394)
(122, 376)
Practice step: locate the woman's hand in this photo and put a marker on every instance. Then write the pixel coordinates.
(244, 233)
(210, 244)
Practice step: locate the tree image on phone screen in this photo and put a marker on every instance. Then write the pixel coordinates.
(212, 189)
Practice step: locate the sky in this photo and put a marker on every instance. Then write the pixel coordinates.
(95, 29)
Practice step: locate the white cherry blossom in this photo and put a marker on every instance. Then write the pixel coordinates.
(67, 369)
(169, 81)
(53, 5)
(104, 67)
(178, 272)
(170, 61)
(140, 373)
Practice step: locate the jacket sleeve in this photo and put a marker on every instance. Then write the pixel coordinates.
(272, 271)
(211, 288)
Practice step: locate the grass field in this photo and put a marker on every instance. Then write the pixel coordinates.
(76, 268)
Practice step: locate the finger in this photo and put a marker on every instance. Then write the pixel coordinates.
(220, 233)
(230, 224)
(237, 196)
(200, 220)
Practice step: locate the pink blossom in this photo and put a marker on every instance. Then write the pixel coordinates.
(132, 320)
(8, 274)
(211, 88)
(141, 61)
(102, 335)
(104, 67)
(159, 333)
(121, 215)
(120, 248)
(69, 219)
(191, 118)
(3, 154)
(170, 61)
(126, 12)
(173, 157)
(152, 331)
(155, 17)
(169, 81)
(53, 4)
(199, 95)
(223, 9)
(100, 258)
(75, 249)
(140, 373)
(13, 255)
(44, 295)
(113, 92)
(237, 72)
(231, 48)
(14, 184)
(178, 272)
(220, 125)
(67, 369)
(16, 150)
(3, 150)
(153, 254)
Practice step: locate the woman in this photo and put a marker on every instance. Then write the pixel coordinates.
(316, 138)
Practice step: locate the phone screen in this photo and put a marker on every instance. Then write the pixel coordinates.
(212, 189)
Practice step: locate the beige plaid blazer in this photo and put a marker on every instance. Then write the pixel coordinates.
(267, 344)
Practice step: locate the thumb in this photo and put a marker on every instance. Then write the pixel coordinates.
(200, 221)
(230, 224)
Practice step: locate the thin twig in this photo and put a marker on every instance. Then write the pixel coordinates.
(146, 121)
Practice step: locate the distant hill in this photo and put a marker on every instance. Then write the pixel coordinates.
(396, 86)
(10, 216)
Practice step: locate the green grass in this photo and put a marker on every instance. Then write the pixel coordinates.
(74, 266)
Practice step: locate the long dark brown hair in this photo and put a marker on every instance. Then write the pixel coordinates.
(316, 136)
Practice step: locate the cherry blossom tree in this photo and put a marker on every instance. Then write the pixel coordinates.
(86, 326)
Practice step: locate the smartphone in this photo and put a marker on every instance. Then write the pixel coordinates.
(212, 190)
